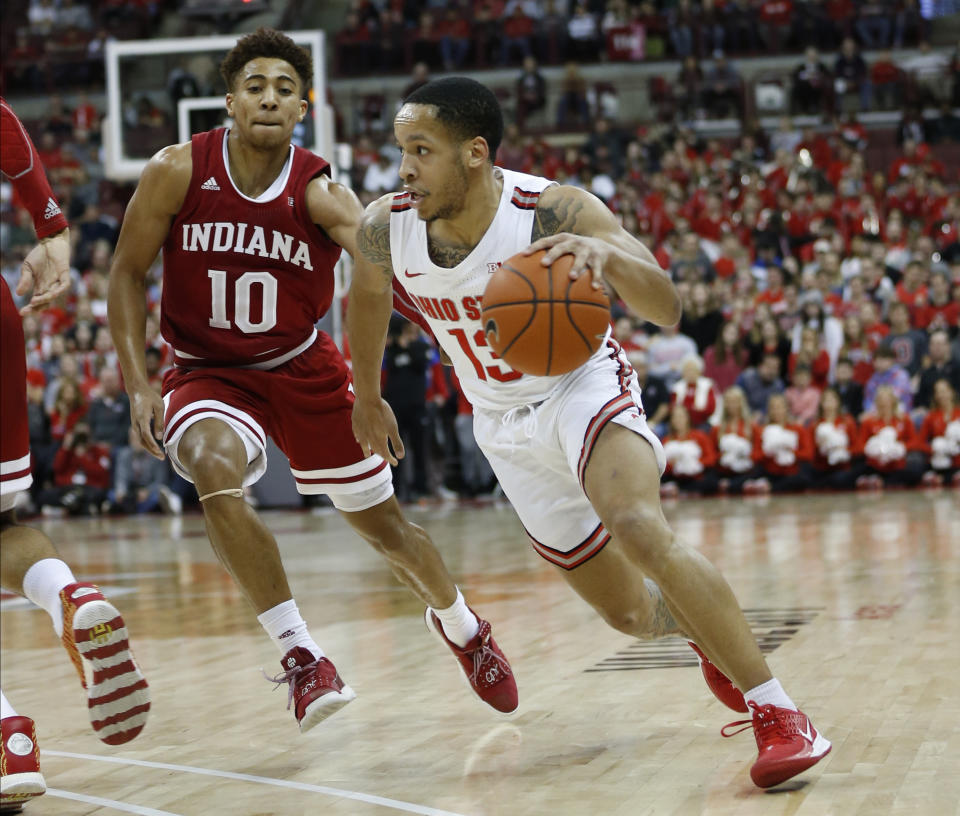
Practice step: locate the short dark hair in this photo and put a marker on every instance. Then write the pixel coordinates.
(467, 109)
(267, 42)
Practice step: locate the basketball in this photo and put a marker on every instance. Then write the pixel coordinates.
(540, 321)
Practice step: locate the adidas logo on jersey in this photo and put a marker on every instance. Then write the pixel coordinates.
(52, 210)
(210, 184)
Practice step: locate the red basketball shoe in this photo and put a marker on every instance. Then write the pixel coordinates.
(314, 685)
(485, 667)
(787, 741)
(95, 637)
(20, 777)
(721, 685)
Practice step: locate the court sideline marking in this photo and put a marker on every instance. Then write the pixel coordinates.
(110, 803)
(394, 804)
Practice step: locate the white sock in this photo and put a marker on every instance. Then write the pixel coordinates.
(459, 623)
(6, 710)
(42, 584)
(287, 629)
(770, 693)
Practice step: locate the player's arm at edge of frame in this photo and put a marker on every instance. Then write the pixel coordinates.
(370, 300)
(629, 266)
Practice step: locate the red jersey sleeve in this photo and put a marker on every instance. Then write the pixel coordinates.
(20, 162)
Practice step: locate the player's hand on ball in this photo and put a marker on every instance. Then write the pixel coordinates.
(375, 429)
(146, 415)
(589, 254)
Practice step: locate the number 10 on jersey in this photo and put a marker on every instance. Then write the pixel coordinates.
(241, 301)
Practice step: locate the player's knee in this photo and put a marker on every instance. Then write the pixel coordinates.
(214, 460)
(630, 621)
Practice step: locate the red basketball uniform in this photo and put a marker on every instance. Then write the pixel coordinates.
(15, 438)
(244, 282)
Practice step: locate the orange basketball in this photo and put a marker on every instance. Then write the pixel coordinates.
(539, 320)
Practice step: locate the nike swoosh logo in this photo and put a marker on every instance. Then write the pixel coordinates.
(807, 732)
(410, 274)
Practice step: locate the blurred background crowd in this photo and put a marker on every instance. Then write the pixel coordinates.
(794, 165)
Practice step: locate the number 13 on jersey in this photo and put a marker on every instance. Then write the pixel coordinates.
(499, 370)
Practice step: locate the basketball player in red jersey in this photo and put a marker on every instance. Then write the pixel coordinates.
(572, 453)
(89, 626)
(251, 227)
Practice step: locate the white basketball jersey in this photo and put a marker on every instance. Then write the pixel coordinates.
(450, 299)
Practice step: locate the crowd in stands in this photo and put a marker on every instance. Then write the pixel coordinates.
(453, 35)
(820, 275)
(49, 45)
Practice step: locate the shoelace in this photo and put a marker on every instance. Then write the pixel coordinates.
(481, 654)
(764, 719)
(290, 676)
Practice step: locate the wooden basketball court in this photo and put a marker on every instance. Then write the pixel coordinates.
(856, 597)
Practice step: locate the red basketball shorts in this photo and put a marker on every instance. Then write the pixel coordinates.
(304, 405)
(15, 473)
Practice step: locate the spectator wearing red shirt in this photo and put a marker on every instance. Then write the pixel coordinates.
(454, 33)
(890, 444)
(773, 292)
(726, 359)
(886, 79)
(517, 33)
(783, 450)
(873, 327)
(858, 349)
(775, 19)
(939, 436)
(734, 438)
(698, 394)
(712, 223)
(85, 116)
(690, 457)
(81, 474)
(813, 356)
(837, 461)
(941, 310)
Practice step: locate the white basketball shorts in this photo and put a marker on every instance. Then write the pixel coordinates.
(540, 453)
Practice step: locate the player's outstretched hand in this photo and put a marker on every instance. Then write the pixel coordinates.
(46, 271)
(589, 254)
(146, 414)
(375, 429)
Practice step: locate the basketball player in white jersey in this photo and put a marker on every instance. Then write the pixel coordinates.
(573, 453)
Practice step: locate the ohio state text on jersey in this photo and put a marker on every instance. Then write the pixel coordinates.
(245, 280)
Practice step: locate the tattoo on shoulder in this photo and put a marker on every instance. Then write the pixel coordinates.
(446, 255)
(556, 216)
(373, 242)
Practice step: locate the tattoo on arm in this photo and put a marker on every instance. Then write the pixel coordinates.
(558, 216)
(661, 622)
(373, 242)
